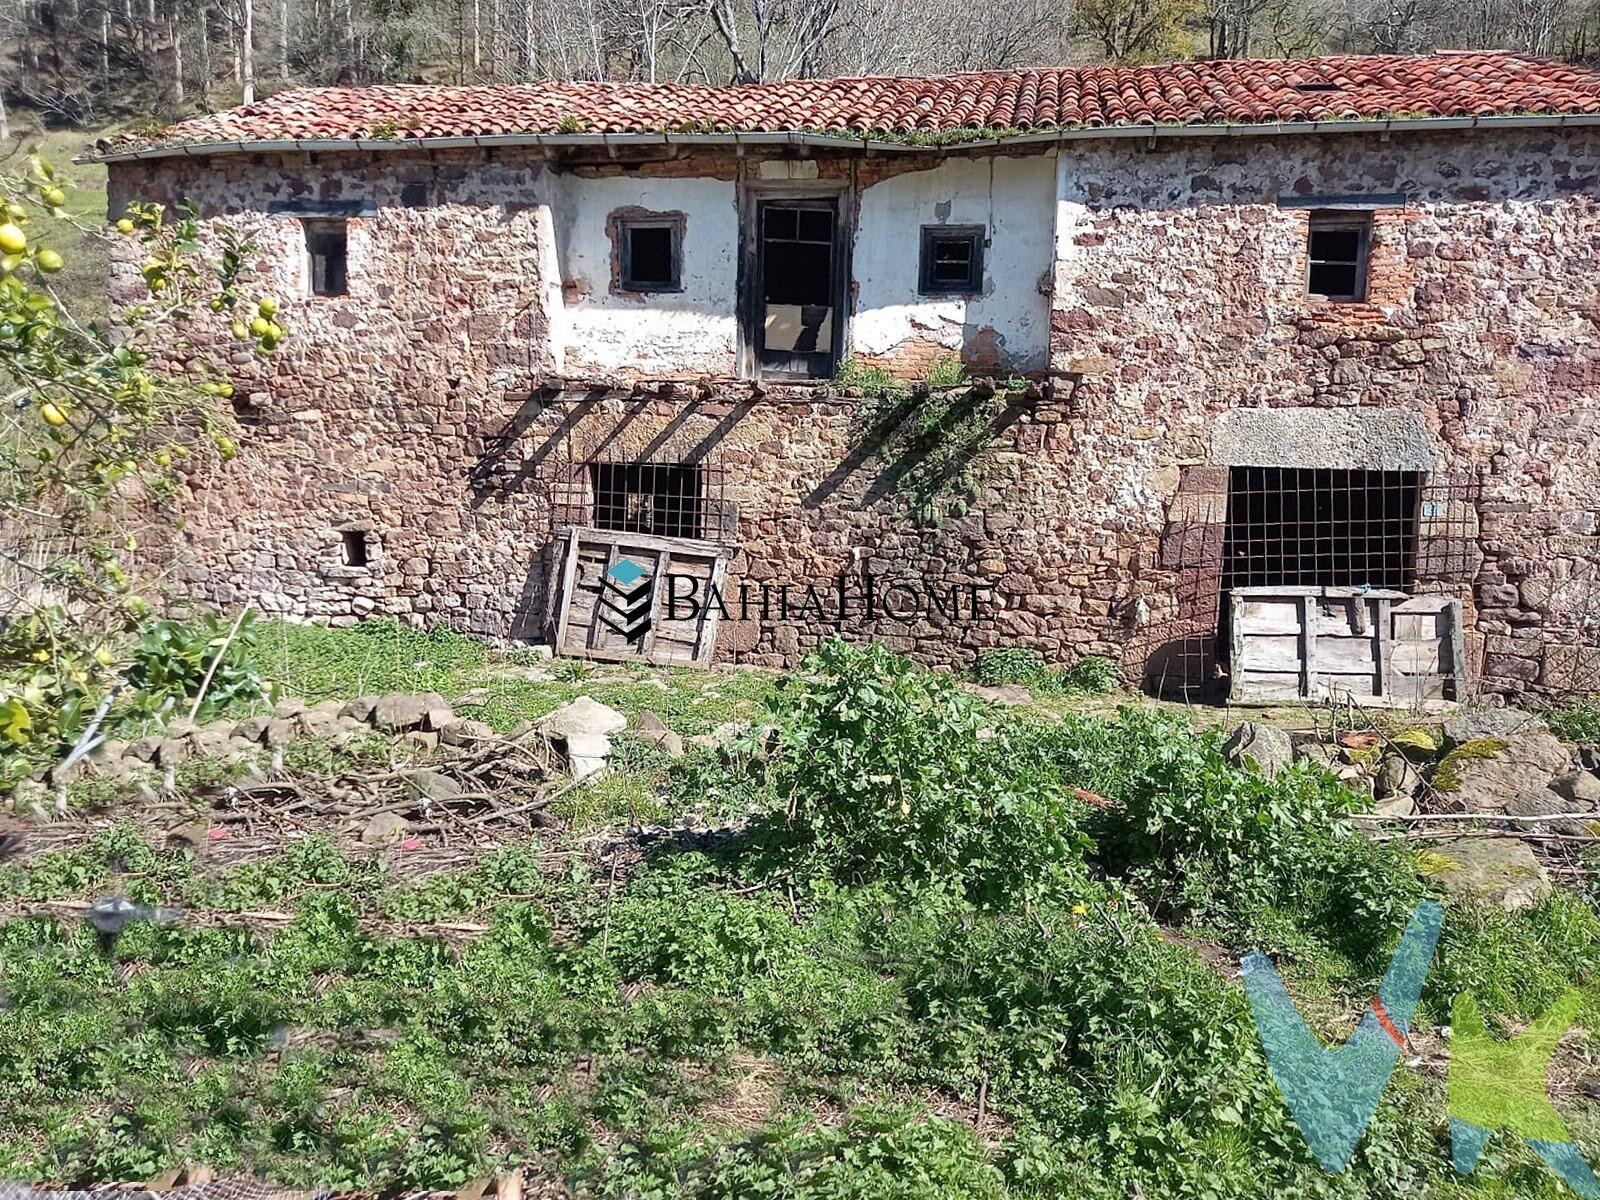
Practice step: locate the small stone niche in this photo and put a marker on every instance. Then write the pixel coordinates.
(355, 551)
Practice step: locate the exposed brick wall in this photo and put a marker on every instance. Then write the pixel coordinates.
(1178, 296)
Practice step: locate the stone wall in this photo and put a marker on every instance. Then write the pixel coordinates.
(1179, 297)
(413, 407)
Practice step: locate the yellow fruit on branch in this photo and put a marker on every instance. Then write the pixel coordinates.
(52, 414)
(260, 326)
(268, 305)
(124, 226)
(48, 261)
(54, 197)
(12, 239)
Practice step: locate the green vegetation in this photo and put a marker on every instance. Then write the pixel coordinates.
(918, 964)
(1091, 675)
(1577, 720)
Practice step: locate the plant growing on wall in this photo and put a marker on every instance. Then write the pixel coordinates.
(930, 439)
(93, 433)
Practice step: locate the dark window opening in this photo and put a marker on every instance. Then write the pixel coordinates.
(325, 248)
(1337, 255)
(414, 195)
(652, 254)
(797, 255)
(664, 499)
(952, 259)
(1321, 528)
(353, 548)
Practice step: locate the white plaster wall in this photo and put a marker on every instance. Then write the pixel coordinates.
(690, 332)
(1015, 199)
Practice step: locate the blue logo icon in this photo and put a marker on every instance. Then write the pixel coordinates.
(626, 598)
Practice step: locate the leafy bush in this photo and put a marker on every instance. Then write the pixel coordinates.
(1012, 664)
(853, 374)
(1206, 841)
(892, 772)
(1577, 720)
(171, 658)
(52, 682)
(1091, 675)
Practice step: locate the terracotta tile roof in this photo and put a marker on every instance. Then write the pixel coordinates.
(1252, 91)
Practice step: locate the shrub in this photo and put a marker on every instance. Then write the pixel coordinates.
(171, 658)
(1013, 664)
(1204, 840)
(1578, 720)
(891, 772)
(1091, 675)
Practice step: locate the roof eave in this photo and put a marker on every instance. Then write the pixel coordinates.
(736, 139)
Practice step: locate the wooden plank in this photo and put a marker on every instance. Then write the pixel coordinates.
(1458, 652)
(1417, 657)
(650, 541)
(1334, 617)
(1308, 644)
(1272, 616)
(1381, 624)
(1254, 687)
(706, 647)
(568, 572)
(1273, 652)
(1236, 682)
(1418, 627)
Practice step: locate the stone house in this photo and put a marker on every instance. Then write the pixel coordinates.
(1231, 324)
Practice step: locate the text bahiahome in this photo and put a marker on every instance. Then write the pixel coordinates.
(1282, 377)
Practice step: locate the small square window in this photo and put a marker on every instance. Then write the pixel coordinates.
(1337, 246)
(325, 253)
(952, 259)
(652, 256)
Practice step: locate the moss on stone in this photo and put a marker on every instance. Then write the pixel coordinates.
(1447, 775)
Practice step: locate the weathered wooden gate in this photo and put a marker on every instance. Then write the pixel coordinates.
(612, 597)
(1376, 646)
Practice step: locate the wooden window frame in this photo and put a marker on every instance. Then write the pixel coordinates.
(1336, 220)
(975, 235)
(625, 280)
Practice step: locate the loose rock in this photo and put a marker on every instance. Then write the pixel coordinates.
(464, 733)
(1265, 747)
(401, 711)
(252, 729)
(584, 715)
(1395, 777)
(587, 754)
(360, 709)
(1499, 871)
(433, 785)
(1483, 775)
(1471, 724)
(384, 827)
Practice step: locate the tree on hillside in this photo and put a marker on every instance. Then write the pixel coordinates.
(84, 62)
(1135, 31)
